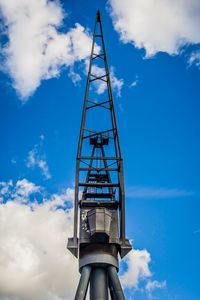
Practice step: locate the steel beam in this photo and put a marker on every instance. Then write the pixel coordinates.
(115, 284)
(83, 283)
(99, 284)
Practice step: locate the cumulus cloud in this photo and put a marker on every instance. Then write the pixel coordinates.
(24, 188)
(36, 49)
(33, 254)
(37, 159)
(138, 268)
(5, 188)
(157, 25)
(138, 275)
(19, 192)
(33, 238)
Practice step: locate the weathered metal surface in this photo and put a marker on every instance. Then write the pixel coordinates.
(83, 283)
(115, 285)
(99, 284)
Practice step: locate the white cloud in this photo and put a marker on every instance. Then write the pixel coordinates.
(24, 188)
(60, 199)
(36, 50)
(154, 284)
(36, 159)
(138, 272)
(5, 186)
(157, 25)
(148, 192)
(19, 192)
(42, 164)
(33, 254)
(194, 58)
(134, 82)
(34, 261)
(116, 83)
(138, 268)
(75, 77)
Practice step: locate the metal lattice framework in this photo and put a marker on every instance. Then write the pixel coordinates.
(99, 187)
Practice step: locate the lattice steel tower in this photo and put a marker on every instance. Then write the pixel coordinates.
(99, 189)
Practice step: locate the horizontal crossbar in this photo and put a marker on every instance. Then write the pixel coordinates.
(99, 185)
(99, 158)
(98, 169)
(101, 203)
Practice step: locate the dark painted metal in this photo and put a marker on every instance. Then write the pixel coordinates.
(111, 290)
(83, 283)
(117, 158)
(115, 283)
(99, 284)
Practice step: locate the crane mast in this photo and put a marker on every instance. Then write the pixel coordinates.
(99, 204)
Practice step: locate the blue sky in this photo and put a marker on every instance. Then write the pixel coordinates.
(156, 69)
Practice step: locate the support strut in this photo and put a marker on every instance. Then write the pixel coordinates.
(99, 284)
(115, 285)
(83, 283)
